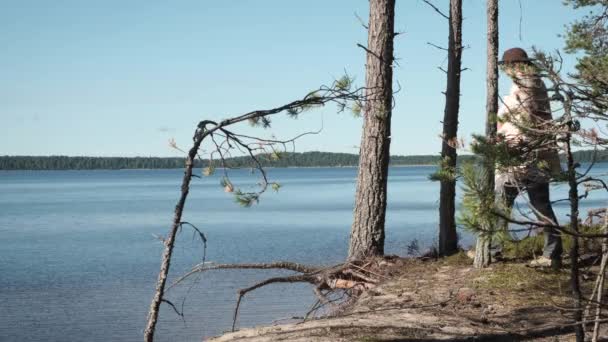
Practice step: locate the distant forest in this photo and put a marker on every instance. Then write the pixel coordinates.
(306, 159)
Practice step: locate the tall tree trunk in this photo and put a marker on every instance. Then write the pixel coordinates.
(448, 239)
(367, 232)
(482, 249)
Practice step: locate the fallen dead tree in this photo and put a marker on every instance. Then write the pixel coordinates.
(350, 278)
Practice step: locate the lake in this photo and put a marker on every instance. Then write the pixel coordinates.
(79, 257)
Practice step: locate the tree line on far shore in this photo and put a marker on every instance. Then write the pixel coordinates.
(305, 159)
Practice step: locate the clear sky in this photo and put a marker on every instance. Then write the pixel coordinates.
(120, 78)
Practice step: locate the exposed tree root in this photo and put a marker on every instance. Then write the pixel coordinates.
(352, 277)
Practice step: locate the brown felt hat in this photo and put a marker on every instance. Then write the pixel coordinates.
(515, 55)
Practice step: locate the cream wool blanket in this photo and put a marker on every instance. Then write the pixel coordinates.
(527, 107)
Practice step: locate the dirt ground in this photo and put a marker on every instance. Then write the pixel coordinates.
(443, 300)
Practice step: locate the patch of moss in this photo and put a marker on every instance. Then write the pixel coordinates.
(533, 286)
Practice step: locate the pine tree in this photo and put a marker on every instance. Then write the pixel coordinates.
(367, 232)
(588, 36)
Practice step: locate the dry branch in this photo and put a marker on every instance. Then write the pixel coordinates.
(436, 9)
(285, 265)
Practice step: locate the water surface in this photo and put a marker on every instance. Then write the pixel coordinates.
(79, 257)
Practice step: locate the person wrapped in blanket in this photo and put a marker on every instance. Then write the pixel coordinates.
(524, 118)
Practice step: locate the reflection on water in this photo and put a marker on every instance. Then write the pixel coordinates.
(79, 259)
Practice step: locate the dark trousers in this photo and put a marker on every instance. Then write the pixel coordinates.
(538, 193)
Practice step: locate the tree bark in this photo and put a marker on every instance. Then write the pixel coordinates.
(482, 249)
(367, 232)
(169, 243)
(448, 239)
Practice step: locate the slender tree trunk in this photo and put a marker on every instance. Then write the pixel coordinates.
(170, 242)
(367, 233)
(579, 329)
(482, 249)
(448, 239)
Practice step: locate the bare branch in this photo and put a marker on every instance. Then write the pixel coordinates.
(371, 53)
(285, 265)
(436, 9)
(437, 46)
(299, 278)
(361, 21)
(179, 313)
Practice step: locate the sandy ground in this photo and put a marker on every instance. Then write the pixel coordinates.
(442, 300)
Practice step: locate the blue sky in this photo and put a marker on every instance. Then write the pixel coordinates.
(121, 78)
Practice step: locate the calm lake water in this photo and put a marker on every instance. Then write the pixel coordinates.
(79, 259)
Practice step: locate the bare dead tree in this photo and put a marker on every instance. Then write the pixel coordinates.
(367, 231)
(340, 92)
(577, 106)
(482, 249)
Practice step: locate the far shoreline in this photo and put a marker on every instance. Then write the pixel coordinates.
(236, 168)
(241, 168)
(307, 160)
